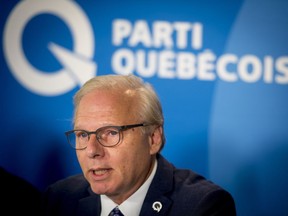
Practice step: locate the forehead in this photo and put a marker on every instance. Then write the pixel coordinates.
(105, 105)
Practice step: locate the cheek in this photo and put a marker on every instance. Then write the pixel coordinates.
(137, 150)
(125, 157)
(127, 167)
(134, 156)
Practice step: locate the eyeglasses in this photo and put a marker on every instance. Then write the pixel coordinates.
(107, 136)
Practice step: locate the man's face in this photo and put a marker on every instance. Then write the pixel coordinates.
(116, 171)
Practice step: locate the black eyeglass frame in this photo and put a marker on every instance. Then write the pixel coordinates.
(119, 128)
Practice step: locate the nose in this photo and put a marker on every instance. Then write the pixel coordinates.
(94, 148)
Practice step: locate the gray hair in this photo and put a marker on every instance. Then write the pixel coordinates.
(148, 108)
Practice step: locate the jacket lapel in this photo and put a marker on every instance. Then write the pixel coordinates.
(156, 202)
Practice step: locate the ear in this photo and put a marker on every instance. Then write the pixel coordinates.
(155, 139)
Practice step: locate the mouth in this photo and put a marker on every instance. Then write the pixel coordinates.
(100, 172)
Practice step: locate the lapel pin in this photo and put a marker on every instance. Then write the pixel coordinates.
(157, 206)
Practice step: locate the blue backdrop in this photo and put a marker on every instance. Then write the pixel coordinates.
(220, 69)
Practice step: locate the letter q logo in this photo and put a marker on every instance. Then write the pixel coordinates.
(77, 66)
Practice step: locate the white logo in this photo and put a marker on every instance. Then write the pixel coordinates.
(77, 64)
(157, 206)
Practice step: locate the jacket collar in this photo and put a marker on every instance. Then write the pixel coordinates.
(156, 202)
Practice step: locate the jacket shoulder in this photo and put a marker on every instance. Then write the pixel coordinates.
(62, 197)
(191, 192)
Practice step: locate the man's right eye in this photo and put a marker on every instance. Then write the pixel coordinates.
(81, 134)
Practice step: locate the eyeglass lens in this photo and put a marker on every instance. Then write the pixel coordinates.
(107, 136)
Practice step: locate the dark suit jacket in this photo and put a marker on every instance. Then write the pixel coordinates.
(181, 193)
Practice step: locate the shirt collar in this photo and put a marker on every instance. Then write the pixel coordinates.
(131, 206)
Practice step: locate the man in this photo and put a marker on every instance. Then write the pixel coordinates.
(118, 135)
